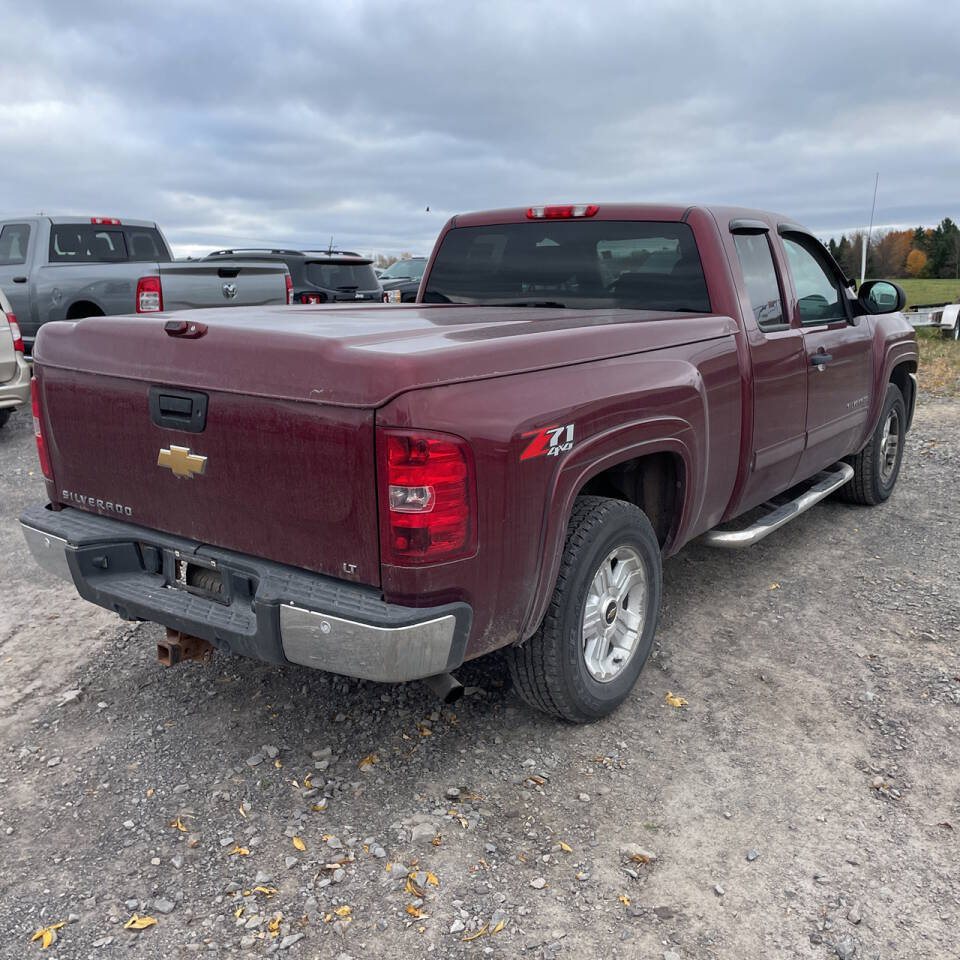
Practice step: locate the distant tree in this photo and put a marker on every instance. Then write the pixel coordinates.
(383, 260)
(916, 262)
(888, 253)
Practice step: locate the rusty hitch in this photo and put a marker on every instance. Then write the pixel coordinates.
(181, 646)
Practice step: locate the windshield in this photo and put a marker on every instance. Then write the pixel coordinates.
(412, 269)
(342, 276)
(641, 265)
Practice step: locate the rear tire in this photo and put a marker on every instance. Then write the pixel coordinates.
(585, 658)
(5, 415)
(877, 466)
(953, 333)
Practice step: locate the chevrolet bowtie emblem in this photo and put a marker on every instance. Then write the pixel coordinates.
(182, 462)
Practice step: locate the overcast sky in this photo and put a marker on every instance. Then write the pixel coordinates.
(236, 124)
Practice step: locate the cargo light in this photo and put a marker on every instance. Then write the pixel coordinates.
(15, 332)
(564, 212)
(38, 430)
(149, 295)
(109, 220)
(428, 512)
(289, 283)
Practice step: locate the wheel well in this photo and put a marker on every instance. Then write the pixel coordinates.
(652, 483)
(81, 309)
(900, 375)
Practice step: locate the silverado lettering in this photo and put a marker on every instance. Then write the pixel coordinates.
(430, 504)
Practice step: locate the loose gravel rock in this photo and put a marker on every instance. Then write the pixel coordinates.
(468, 833)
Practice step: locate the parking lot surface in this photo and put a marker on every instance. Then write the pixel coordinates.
(805, 802)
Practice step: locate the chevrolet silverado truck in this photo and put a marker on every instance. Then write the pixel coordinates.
(387, 492)
(65, 268)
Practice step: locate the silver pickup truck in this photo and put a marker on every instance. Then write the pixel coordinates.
(66, 268)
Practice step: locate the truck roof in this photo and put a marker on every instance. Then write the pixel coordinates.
(121, 221)
(670, 212)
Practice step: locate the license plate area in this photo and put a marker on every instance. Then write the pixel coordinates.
(200, 576)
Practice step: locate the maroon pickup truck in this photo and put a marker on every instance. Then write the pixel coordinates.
(387, 492)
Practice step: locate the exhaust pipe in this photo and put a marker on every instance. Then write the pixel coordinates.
(181, 646)
(445, 687)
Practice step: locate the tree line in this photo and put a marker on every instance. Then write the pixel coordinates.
(923, 252)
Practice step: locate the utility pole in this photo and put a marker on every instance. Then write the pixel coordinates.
(866, 239)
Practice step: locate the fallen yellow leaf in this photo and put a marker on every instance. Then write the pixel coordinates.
(46, 935)
(239, 851)
(436, 841)
(415, 911)
(774, 586)
(473, 936)
(423, 731)
(274, 925)
(319, 807)
(565, 847)
(675, 701)
(306, 782)
(387, 866)
(432, 879)
(498, 927)
(368, 761)
(243, 813)
(178, 823)
(412, 888)
(269, 891)
(278, 764)
(299, 844)
(624, 899)
(343, 911)
(150, 793)
(140, 923)
(238, 913)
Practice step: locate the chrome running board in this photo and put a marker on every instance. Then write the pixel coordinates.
(824, 483)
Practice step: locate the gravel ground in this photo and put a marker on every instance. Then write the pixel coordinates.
(804, 803)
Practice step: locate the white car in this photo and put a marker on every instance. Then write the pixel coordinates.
(14, 369)
(948, 320)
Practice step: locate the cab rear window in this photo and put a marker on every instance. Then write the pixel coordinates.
(643, 265)
(94, 243)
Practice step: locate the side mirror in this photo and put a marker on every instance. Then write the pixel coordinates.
(881, 296)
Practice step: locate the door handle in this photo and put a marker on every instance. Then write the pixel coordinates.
(19, 279)
(821, 358)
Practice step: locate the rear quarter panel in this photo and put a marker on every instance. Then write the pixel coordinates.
(683, 400)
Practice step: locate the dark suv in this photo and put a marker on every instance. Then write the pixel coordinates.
(401, 280)
(320, 276)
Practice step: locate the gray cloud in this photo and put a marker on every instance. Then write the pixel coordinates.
(237, 123)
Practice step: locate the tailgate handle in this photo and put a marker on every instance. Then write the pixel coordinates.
(227, 272)
(178, 409)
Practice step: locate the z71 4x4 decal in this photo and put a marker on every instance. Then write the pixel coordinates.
(548, 442)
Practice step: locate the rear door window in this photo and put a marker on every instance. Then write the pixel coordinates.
(641, 265)
(760, 278)
(86, 243)
(14, 238)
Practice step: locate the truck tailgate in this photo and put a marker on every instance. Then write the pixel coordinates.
(190, 284)
(285, 480)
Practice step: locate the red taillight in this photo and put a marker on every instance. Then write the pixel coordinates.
(15, 332)
(311, 298)
(111, 220)
(428, 510)
(149, 295)
(289, 289)
(564, 212)
(38, 430)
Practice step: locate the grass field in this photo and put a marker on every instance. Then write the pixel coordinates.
(930, 291)
(939, 368)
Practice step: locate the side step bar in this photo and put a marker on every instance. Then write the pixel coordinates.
(824, 483)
